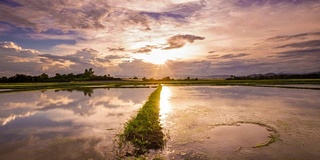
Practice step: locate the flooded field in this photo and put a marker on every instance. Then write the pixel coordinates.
(235, 122)
(200, 122)
(65, 124)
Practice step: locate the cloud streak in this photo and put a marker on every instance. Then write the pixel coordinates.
(228, 56)
(179, 41)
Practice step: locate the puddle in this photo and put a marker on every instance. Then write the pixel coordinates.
(233, 137)
(225, 139)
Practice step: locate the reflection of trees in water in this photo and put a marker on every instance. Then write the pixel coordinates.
(82, 105)
(81, 101)
(86, 91)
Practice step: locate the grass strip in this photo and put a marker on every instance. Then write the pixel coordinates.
(144, 130)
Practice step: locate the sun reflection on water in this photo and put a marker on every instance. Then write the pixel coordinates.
(165, 107)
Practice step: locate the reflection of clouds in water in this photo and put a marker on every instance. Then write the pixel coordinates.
(236, 93)
(72, 101)
(13, 105)
(58, 149)
(5, 120)
(65, 114)
(127, 95)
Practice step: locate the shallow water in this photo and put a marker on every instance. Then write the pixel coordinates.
(65, 124)
(306, 86)
(192, 118)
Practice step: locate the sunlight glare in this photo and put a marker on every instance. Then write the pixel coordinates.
(156, 58)
(165, 107)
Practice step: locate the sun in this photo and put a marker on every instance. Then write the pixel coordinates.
(156, 58)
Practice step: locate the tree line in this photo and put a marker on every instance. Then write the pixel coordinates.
(315, 75)
(87, 75)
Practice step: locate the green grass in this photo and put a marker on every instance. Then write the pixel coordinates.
(144, 131)
(272, 138)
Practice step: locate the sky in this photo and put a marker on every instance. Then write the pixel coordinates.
(157, 38)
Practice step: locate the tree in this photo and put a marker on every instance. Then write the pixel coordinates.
(166, 78)
(44, 76)
(88, 73)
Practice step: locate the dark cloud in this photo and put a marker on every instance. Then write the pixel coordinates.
(178, 11)
(227, 56)
(159, 15)
(83, 58)
(10, 16)
(147, 49)
(116, 49)
(4, 28)
(246, 3)
(239, 67)
(69, 15)
(136, 68)
(143, 50)
(113, 57)
(136, 18)
(211, 51)
(302, 54)
(179, 41)
(10, 3)
(189, 68)
(306, 44)
(295, 36)
(187, 9)
(60, 58)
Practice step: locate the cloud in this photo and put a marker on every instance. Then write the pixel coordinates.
(143, 50)
(4, 28)
(85, 58)
(306, 44)
(227, 56)
(136, 68)
(189, 67)
(16, 60)
(74, 15)
(248, 3)
(10, 3)
(116, 49)
(147, 48)
(80, 32)
(177, 12)
(10, 45)
(179, 41)
(301, 54)
(295, 36)
(69, 15)
(113, 57)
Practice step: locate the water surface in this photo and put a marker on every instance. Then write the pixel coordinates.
(65, 124)
(192, 118)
